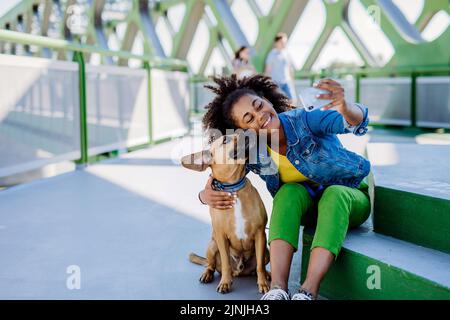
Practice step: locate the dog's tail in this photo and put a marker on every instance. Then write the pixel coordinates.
(197, 259)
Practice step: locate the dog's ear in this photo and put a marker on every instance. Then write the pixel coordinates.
(198, 161)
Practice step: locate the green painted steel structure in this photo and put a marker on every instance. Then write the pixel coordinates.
(138, 20)
(415, 218)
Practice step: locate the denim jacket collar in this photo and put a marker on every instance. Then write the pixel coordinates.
(264, 160)
(290, 132)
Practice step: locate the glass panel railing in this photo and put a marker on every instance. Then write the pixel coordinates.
(170, 103)
(39, 113)
(349, 85)
(203, 96)
(433, 102)
(117, 108)
(300, 85)
(53, 111)
(389, 100)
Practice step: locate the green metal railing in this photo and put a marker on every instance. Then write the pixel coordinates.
(79, 52)
(64, 45)
(376, 72)
(360, 73)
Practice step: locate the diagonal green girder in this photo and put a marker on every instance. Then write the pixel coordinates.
(183, 39)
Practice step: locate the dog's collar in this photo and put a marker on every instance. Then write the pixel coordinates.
(228, 187)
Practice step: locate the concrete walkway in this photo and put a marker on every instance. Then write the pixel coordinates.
(128, 223)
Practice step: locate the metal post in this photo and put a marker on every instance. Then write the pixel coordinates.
(78, 57)
(149, 97)
(358, 87)
(192, 102)
(413, 99)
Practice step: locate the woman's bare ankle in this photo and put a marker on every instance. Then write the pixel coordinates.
(277, 285)
(310, 289)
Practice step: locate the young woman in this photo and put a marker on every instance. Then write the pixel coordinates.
(317, 181)
(241, 63)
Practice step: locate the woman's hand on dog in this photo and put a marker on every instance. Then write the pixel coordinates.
(217, 199)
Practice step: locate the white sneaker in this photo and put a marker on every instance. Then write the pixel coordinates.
(302, 295)
(276, 293)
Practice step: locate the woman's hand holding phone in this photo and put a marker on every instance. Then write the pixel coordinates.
(335, 94)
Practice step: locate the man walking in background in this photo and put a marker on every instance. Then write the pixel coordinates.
(280, 68)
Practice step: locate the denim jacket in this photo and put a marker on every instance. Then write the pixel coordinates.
(314, 149)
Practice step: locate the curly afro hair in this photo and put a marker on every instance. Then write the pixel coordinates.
(230, 89)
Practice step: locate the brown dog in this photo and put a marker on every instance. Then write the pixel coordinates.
(238, 244)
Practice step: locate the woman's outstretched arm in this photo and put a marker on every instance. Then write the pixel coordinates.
(338, 116)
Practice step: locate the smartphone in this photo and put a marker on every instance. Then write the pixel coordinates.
(309, 101)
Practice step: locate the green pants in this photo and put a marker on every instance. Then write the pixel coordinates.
(337, 209)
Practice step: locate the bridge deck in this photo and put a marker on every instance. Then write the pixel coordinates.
(129, 223)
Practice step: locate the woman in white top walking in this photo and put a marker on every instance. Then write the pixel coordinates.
(241, 63)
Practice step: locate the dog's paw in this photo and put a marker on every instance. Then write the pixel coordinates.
(263, 286)
(263, 281)
(207, 276)
(224, 287)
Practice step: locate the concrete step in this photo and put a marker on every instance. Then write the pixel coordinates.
(374, 266)
(412, 192)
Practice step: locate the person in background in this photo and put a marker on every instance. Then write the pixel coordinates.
(241, 63)
(280, 68)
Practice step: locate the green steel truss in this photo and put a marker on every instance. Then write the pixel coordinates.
(138, 19)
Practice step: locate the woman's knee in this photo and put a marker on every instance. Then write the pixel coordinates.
(335, 204)
(290, 202)
(335, 190)
(291, 192)
(335, 194)
(289, 205)
(346, 203)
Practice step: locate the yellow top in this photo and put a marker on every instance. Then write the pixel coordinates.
(288, 173)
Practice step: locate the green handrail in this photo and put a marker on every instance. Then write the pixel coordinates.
(358, 74)
(388, 71)
(361, 72)
(60, 44)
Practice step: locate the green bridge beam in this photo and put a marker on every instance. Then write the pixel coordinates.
(410, 49)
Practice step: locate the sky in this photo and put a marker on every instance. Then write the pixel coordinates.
(5, 5)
